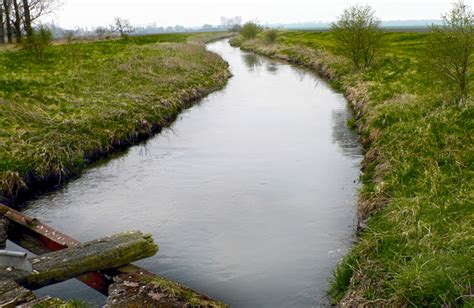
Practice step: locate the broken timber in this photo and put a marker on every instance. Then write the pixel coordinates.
(104, 276)
(107, 253)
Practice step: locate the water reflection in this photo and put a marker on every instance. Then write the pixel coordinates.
(252, 61)
(344, 137)
(272, 67)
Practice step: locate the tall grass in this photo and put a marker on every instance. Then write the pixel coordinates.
(416, 249)
(86, 100)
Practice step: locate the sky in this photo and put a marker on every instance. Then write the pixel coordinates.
(92, 13)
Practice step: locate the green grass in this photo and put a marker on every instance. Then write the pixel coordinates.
(417, 247)
(86, 100)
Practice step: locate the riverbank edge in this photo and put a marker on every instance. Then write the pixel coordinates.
(357, 95)
(31, 187)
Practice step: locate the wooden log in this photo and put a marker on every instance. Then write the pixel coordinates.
(107, 253)
(12, 294)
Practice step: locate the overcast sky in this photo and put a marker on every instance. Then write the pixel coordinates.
(89, 13)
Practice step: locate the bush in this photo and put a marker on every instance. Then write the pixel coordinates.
(38, 42)
(250, 30)
(449, 52)
(271, 35)
(358, 35)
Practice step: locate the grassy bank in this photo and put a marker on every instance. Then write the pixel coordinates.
(88, 99)
(416, 211)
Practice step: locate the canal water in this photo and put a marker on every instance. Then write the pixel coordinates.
(250, 194)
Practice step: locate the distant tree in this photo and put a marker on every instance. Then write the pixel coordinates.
(69, 36)
(101, 32)
(231, 23)
(207, 27)
(449, 50)
(358, 35)
(122, 26)
(235, 28)
(38, 42)
(250, 30)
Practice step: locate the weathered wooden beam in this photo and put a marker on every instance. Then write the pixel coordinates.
(40, 238)
(106, 253)
(12, 294)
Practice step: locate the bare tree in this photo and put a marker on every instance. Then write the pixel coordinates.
(39, 8)
(358, 35)
(122, 26)
(8, 22)
(101, 32)
(17, 21)
(27, 15)
(2, 26)
(27, 12)
(450, 48)
(232, 22)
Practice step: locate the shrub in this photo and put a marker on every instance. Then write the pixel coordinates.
(449, 51)
(39, 40)
(250, 30)
(358, 35)
(271, 35)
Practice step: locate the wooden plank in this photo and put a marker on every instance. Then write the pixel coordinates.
(12, 294)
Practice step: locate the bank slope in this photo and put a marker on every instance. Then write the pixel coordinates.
(416, 211)
(88, 99)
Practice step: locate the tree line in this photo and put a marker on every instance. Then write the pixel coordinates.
(18, 16)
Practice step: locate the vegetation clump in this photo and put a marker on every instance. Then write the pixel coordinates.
(449, 51)
(357, 35)
(38, 42)
(250, 30)
(271, 35)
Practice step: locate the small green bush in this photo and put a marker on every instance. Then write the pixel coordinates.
(271, 35)
(38, 42)
(250, 30)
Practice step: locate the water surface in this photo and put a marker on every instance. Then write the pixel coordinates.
(250, 194)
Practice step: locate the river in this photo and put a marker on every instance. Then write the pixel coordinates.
(250, 194)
